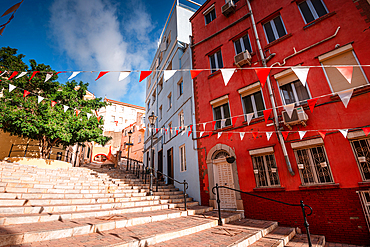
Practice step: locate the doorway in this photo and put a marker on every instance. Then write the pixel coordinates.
(160, 165)
(170, 165)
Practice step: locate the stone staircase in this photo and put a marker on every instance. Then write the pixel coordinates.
(102, 207)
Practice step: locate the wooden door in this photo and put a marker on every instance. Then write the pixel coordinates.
(160, 164)
(224, 176)
(170, 165)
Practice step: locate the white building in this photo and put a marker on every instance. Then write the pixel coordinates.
(171, 100)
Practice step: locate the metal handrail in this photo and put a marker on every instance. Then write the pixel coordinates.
(302, 205)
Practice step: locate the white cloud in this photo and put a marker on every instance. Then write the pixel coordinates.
(89, 34)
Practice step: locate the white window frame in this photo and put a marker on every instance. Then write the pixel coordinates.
(241, 40)
(296, 99)
(274, 29)
(359, 159)
(312, 9)
(180, 86)
(216, 61)
(169, 130)
(207, 12)
(182, 156)
(365, 205)
(222, 115)
(254, 106)
(267, 169)
(160, 85)
(160, 112)
(181, 120)
(154, 96)
(169, 99)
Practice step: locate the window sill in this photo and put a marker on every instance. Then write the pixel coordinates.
(214, 73)
(266, 189)
(278, 40)
(364, 184)
(314, 22)
(254, 121)
(223, 129)
(319, 187)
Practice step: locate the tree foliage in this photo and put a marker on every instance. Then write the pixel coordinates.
(51, 126)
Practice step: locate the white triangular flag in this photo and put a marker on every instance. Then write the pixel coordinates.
(3, 73)
(227, 74)
(123, 75)
(11, 87)
(289, 109)
(219, 134)
(21, 74)
(249, 117)
(268, 135)
(48, 76)
(301, 134)
(1, 93)
(204, 126)
(301, 73)
(65, 108)
(344, 132)
(167, 74)
(345, 96)
(39, 99)
(201, 133)
(241, 135)
(223, 123)
(73, 75)
(88, 115)
(185, 129)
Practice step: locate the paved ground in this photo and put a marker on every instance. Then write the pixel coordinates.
(342, 245)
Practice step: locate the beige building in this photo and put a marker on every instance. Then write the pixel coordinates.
(137, 131)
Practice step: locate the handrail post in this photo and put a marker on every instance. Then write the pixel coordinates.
(10, 151)
(185, 185)
(306, 225)
(25, 151)
(218, 206)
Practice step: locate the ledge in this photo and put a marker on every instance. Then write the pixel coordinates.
(267, 189)
(356, 92)
(314, 22)
(319, 187)
(278, 40)
(254, 121)
(364, 184)
(214, 73)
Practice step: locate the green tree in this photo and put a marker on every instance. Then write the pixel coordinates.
(50, 126)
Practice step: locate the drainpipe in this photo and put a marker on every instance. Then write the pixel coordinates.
(268, 82)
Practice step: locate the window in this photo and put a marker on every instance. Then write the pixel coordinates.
(169, 97)
(242, 45)
(312, 9)
(160, 112)
(313, 166)
(153, 96)
(210, 15)
(149, 81)
(342, 56)
(139, 139)
(125, 132)
(274, 29)
(365, 201)
(168, 40)
(182, 158)
(169, 67)
(113, 118)
(169, 130)
(221, 113)
(294, 92)
(215, 61)
(160, 85)
(361, 149)
(181, 120)
(132, 141)
(252, 99)
(180, 85)
(148, 106)
(265, 170)
(121, 120)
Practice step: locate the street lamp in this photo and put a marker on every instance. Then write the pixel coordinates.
(152, 118)
(128, 149)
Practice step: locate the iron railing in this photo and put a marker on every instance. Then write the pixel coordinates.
(301, 204)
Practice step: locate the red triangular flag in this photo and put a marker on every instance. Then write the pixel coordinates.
(78, 112)
(366, 130)
(213, 124)
(101, 74)
(234, 119)
(285, 134)
(191, 127)
(255, 134)
(312, 103)
(13, 74)
(144, 74)
(195, 73)
(322, 133)
(25, 93)
(266, 114)
(262, 74)
(189, 133)
(346, 72)
(12, 9)
(53, 103)
(177, 132)
(229, 135)
(33, 74)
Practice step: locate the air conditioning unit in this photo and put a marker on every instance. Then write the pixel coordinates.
(243, 58)
(228, 8)
(298, 117)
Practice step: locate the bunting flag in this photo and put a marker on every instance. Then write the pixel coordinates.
(345, 96)
(266, 114)
(301, 73)
(229, 135)
(99, 118)
(39, 99)
(255, 134)
(201, 133)
(289, 109)
(249, 117)
(48, 76)
(11, 87)
(12, 9)
(213, 124)
(233, 120)
(33, 74)
(344, 132)
(21, 74)
(53, 103)
(366, 130)
(223, 123)
(204, 126)
(195, 73)
(285, 134)
(227, 74)
(322, 133)
(268, 135)
(186, 127)
(25, 93)
(241, 135)
(301, 134)
(311, 103)
(78, 112)
(219, 134)
(346, 72)
(65, 108)
(123, 75)
(101, 74)
(73, 75)
(12, 75)
(167, 74)
(189, 133)
(262, 74)
(144, 74)
(156, 130)
(88, 115)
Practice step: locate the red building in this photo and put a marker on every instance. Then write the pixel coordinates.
(328, 171)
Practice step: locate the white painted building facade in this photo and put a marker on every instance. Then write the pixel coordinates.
(171, 101)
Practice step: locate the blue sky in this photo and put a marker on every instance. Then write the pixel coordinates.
(90, 35)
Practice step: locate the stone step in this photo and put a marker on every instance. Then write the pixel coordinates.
(133, 231)
(300, 240)
(277, 238)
